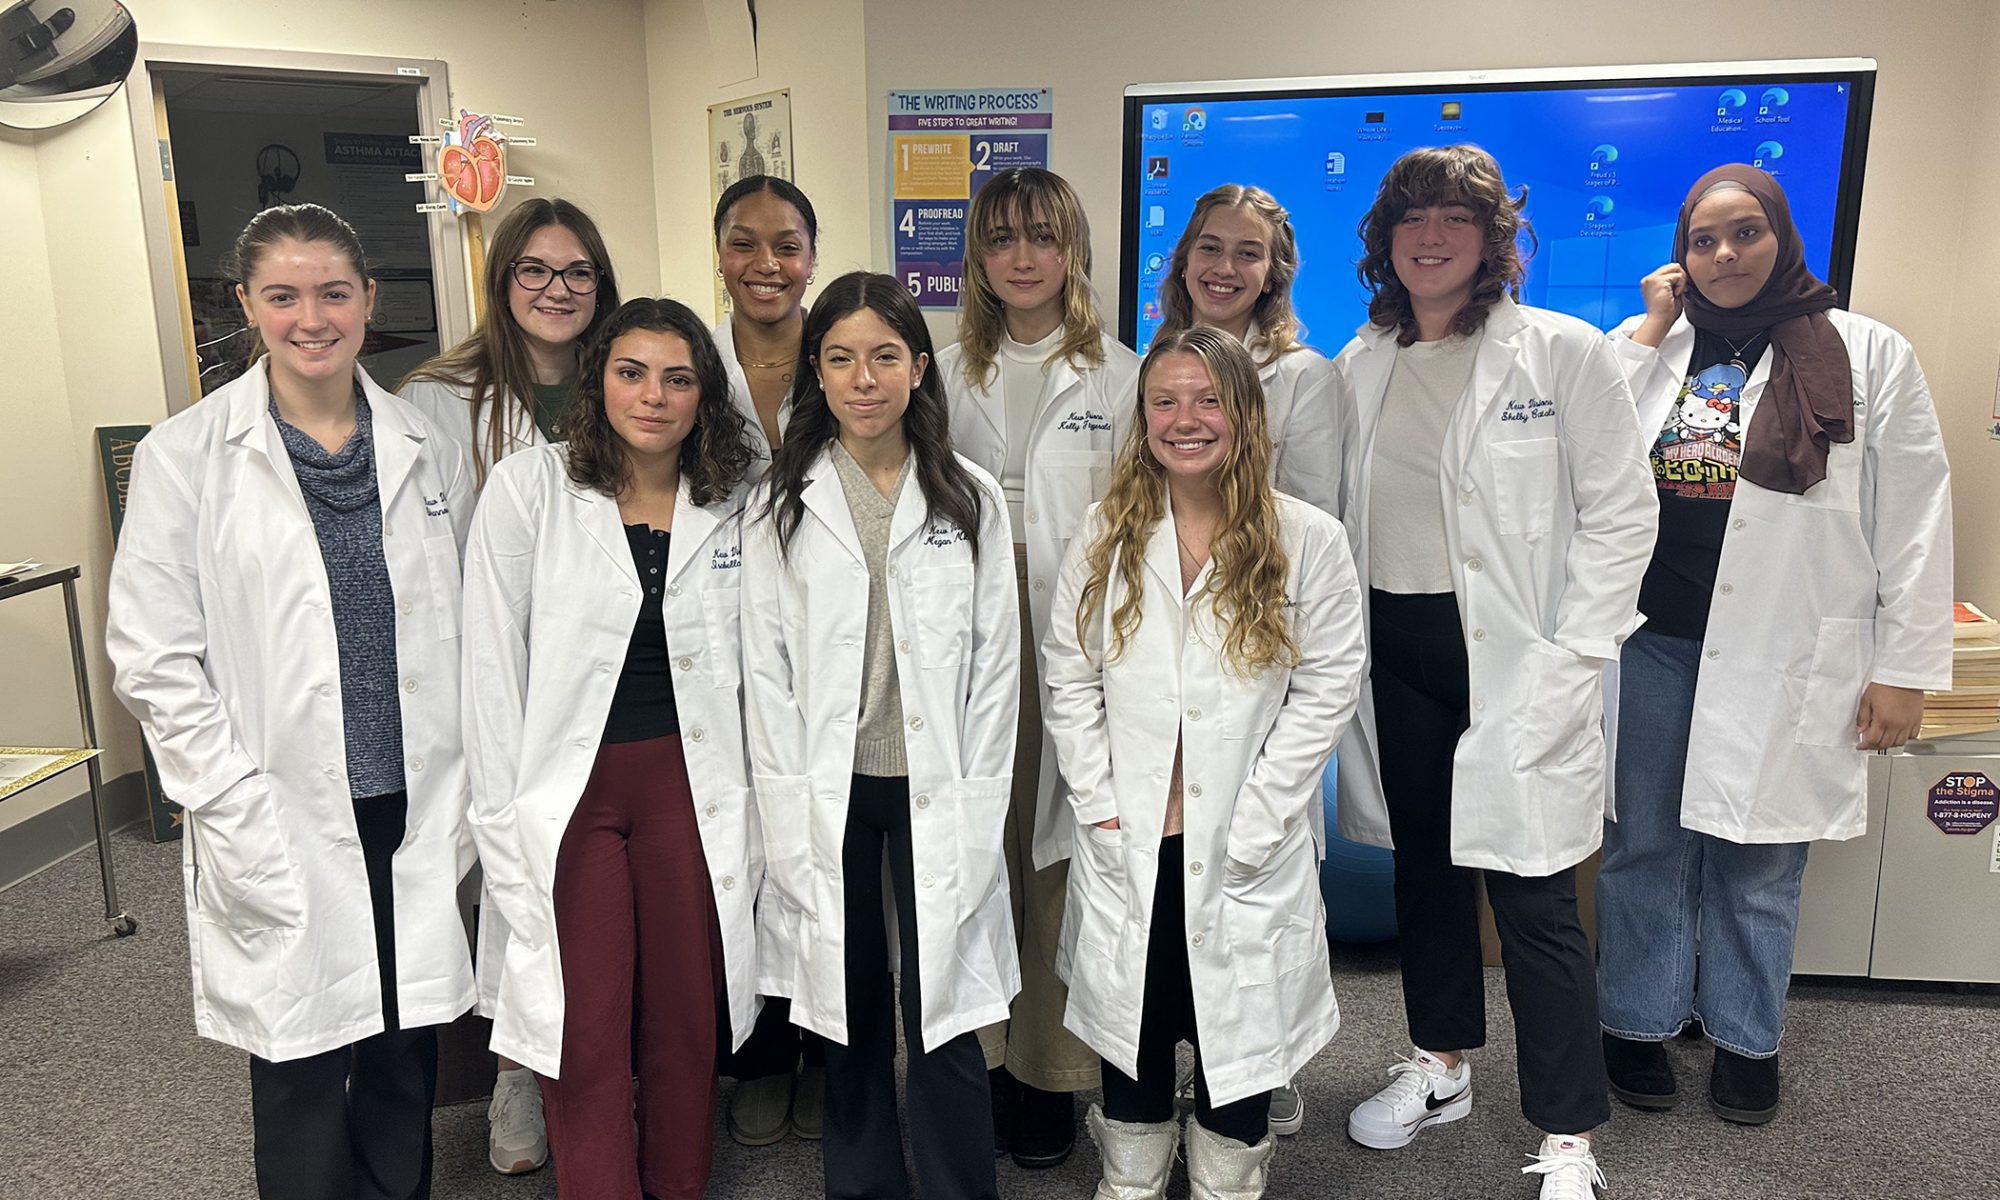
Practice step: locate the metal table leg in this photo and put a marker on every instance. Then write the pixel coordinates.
(122, 923)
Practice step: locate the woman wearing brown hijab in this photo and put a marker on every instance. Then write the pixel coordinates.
(1797, 605)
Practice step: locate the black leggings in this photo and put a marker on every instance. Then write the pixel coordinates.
(1168, 1020)
(1421, 694)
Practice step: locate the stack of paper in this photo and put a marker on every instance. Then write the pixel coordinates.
(1973, 704)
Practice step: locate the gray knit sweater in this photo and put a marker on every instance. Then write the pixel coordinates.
(878, 735)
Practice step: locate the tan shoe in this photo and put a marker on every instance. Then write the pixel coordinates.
(809, 1103)
(760, 1110)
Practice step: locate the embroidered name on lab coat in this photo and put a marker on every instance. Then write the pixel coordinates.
(720, 559)
(435, 506)
(941, 536)
(1534, 409)
(1085, 422)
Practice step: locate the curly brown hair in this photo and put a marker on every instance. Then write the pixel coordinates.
(716, 453)
(1435, 175)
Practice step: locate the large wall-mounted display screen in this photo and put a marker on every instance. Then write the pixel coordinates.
(1606, 154)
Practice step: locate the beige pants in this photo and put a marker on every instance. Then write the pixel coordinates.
(1033, 1044)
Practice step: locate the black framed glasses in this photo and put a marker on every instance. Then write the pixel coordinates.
(536, 276)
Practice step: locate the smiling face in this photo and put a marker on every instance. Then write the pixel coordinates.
(1228, 267)
(766, 254)
(867, 372)
(310, 305)
(1731, 249)
(1186, 428)
(651, 392)
(552, 318)
(1024, 267)
(1436, 251)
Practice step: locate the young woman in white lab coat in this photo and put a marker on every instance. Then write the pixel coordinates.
(883, 664)
(548, 288)
(766, 236)
(766, 242)
(610, 790)
(1501, 521)
(1207, 655)
(284, 622)
(1796, 608)
(1040, 393)
(1233, 268)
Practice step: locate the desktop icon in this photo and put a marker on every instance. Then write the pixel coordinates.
(1450, 110)
(1157, 119)
(1374, 118)
(1195, 121)
(1336, 163)
(1767, 152)
(1773, 97)
(1156, 166)
(1730, 98)
(1603, 156)
(1156, 216)
(1156, 263)
(1599, 208)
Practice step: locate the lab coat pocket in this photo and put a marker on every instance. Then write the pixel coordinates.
(1076, 480)
(245, 878)
(1561, 711)
(982, 820)
(441, 560)
(1842, 656)
(1251, 920)
(942, 601)
(1097, 889)
(1524, 484)
(1841, 489)
(784, 810)
(722, 618)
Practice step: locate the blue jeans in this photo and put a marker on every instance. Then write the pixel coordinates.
(1664, 889)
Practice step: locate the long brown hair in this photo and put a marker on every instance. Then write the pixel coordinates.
(1247, 578)
(493, 364)
(1462, 174)
(716, 453)
(1025, 202)
(1278, 328)
(950, 492)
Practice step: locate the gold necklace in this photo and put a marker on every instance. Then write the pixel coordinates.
(766, 366)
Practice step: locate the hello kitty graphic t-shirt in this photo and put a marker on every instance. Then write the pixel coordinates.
(1694, 464)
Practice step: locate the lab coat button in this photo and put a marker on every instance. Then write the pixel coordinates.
(1479, 635)
(1034, 518)
(695, 734)
(604, 668)
(332, 774)
(712, 810)
(1197, 940)
(1738, 523)
(1193, 713)
(728, 882)
(1040, 586)
(924, 800)
(1193, 637)
(903, 644)
(686, 663)
(1465, 499)
(916, 722)
(930, 881)
(1727, 588)
(1475, 565)
(324, 690)
(416, 763)
(1479, 706)
(1194, 868)
(407, 608)
(893, 573)
(1194, 789)
(1714, 654)
(410, 685)
(673, 589)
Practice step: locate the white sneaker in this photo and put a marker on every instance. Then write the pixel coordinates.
(517, 1140)
(1288, 1110)
(1422, 1091)
(1567, 1167)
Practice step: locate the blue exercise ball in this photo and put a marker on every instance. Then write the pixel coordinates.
(1357, 882)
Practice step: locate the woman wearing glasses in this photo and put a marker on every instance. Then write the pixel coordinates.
(548, 285)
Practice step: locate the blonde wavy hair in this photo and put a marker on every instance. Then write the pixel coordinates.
(1278, 329)
(1246, 581)
(1024, 202)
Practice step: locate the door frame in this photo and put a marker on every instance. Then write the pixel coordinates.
(452, 282)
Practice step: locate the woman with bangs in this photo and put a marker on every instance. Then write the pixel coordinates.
(548, 288)
(1213, 659)
(610, 786)
(1039, 393)
(1233, 268)
(1501, 521)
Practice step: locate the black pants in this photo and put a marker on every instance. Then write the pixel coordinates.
(951, 1110)
(354, 1123)
(1168, 1020)
(775, 1045)
(1421, 709)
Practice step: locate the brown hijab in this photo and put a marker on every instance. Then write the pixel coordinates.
(1809, 403)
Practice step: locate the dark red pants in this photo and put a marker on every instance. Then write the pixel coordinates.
(642, 979)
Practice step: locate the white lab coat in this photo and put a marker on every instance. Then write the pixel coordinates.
(1817, 595)
(1549, 523)
(1083, 420)
(739, 391)
(551, 596)
(1302, 407)
(450, 413)
(958, 662)
(1253, 750)
(220, 630)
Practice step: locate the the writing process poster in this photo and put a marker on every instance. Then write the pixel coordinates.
(942, 147)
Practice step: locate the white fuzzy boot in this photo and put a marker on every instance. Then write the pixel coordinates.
(1137, 1157)
(1221, 1168)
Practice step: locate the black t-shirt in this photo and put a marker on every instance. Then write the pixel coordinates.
(643, 706)
(1694, 462)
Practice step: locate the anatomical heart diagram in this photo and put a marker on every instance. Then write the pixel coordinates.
(472, 168)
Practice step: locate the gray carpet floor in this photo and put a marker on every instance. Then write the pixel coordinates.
(105, 1092)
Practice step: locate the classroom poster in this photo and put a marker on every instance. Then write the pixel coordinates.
(751, 136)
(943, 145)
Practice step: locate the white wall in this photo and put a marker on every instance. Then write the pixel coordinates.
(1925, 222)
(81, 348)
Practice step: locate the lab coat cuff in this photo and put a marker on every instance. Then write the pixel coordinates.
(1913, 679)
(1095, 812)
(233, 770)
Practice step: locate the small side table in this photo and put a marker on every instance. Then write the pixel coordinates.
(58, 759)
